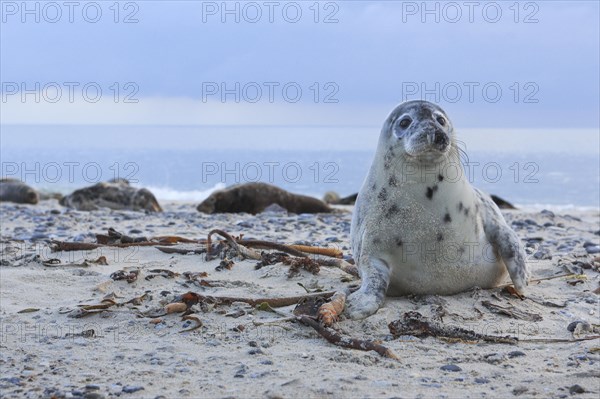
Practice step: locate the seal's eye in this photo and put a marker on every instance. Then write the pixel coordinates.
(441, 120)
(404, 123)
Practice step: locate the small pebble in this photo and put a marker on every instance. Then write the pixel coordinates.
(543, 254)
(520, 390)
(451, 367)
(573, 326)
(593, 249)
(576, 389)
(132, 388)
(12, 380)
(514, 354)
(547, 213)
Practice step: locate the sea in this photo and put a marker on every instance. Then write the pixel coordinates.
(533, 168)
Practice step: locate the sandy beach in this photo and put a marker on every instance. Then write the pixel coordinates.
(48, 348)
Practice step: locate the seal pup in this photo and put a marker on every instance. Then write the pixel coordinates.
(13, 190)
(256, 197)
(419, 227)
(117, 195)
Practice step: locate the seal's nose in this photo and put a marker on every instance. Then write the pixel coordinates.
(438, 138)
(441, 139)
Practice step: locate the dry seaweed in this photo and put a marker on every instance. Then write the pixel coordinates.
(512, 311)
(331, 311)
(162, 273)
(181, 251)
(240, 249)
(340, 264)
(176, 240)
(115, 237)
(86, 263)
(301, 263)
(225, 264)
(415, 324)
(347, 342)
(56, 245)
(192, 318)
(194, 275)
(192, 298)
(129, 275)
(309, 306)
(29, 310)
(271, 258)
(91, 333)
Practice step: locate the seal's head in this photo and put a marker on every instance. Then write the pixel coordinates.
(31, 196)
(214, 203)
(144, 199)
(420, 129)
(16, 191)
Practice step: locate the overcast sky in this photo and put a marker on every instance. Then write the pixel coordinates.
(175, 57)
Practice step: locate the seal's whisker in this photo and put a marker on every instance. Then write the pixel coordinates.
(460, 147)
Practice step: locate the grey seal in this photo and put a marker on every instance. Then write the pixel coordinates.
(419, 226)
(12, 190)
(256, 197)
(116, 194)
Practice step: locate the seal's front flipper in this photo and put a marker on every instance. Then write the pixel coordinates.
(506, 241)
(375, 274)
(508, 244)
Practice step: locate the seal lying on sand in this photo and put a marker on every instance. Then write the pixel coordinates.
(333, 198)
(114, 195)
(419, 227)
(255, 197)
(13, 190)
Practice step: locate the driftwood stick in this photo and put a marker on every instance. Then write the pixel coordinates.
(339, 263)
(272, 245)
(295, 250)
(332, 252)
(347, 342)
(272, 302)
